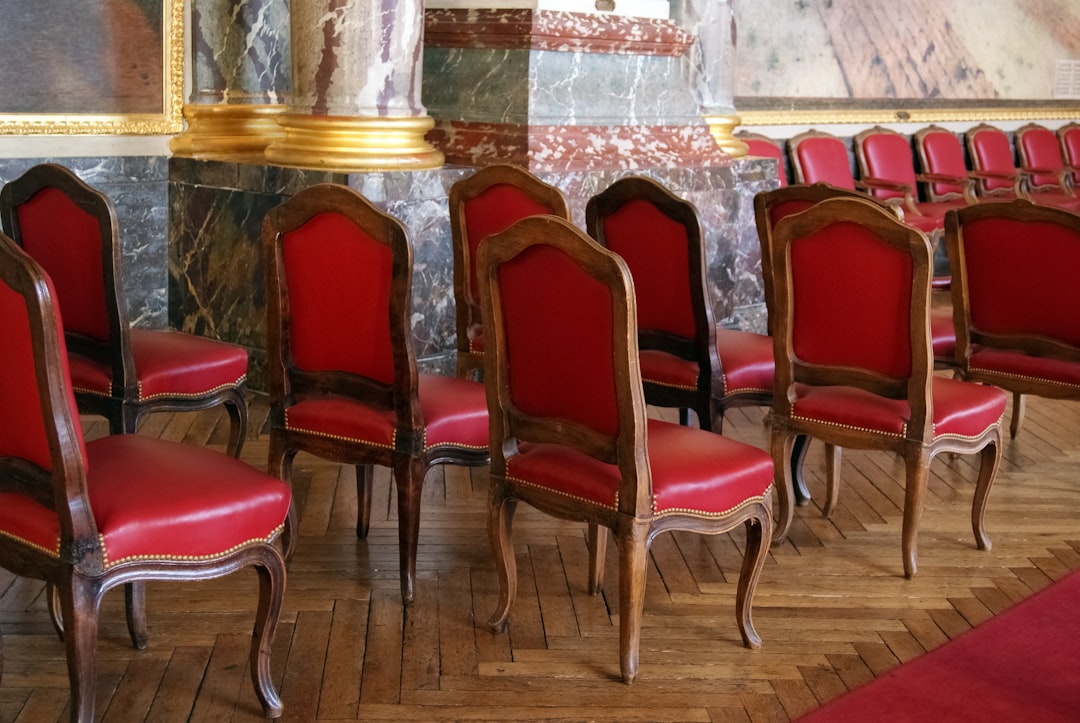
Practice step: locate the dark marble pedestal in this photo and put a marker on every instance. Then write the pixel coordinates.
(216, 285)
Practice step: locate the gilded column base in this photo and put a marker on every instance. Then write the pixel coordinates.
(723, 128)
(228, 130)
(355, 144)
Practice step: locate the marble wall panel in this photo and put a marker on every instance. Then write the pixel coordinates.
(138, 189)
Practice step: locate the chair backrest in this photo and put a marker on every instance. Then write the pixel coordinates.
(1016, 277)
(820, 157)
(852, 285)
(339, 301)
(485, 203)
(70, 229)
(1069, 137)
(765, 147)
(42, 452)
(941, 152)
(771, 206)
(1038, 147)
(562, 368)
(990, 150)
(659, 237)
(885, 154)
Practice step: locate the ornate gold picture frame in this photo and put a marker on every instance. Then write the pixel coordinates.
(114, 67)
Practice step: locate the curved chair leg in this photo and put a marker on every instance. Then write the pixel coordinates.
(279, 464)
(409, 475)
(597, 553)
(55, 610)
(135, 603)
(917, 464)
(781, 451)
(990, 461)
(832, 478)
(80, 603)
(236, 406)
(1017, 415)
(501, 508)
(758, 535)
(632, 541)
(798, 456)
(365, 480)
(271, 570)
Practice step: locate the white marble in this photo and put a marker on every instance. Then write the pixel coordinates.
(635, 8)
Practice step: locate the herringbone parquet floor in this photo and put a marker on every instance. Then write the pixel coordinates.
(833, 608)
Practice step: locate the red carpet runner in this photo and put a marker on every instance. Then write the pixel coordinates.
(1022, 665)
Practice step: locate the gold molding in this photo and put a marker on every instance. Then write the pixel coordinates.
(228, 129)
(165, 123)
(1036, 111)
(345, 143)
(723, 128)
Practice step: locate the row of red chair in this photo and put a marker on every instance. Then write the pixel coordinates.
(1043, 168)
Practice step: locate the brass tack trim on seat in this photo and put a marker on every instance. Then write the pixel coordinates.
(709, 515)
(900, 435)
(187, 558)
(670, 385)
(22, 540)
(369, 443)
(576, 498)
(192, 395)
(1024, 377)
(95, 392)
(743, 390)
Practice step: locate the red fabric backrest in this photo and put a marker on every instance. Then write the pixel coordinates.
(852, 298)
(493, 211)
(66, 242)
(764, 149)
(560, 353)
(23, 425)
(992, 152)
(945, 155)
(1041, 150)
(656, 249)
(825, 159)
(1070, 143)
(888, 156)
(338, 281)
(787, 208)
(1023, 277)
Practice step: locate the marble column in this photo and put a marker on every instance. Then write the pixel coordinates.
(355, 99)
(239, 78)
(712, 65)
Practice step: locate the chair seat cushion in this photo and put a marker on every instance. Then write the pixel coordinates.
(455, 414)
(695, 472)
(1005, 364)
(747, 361)
(168, 363)
(960, 409)
(158, 500)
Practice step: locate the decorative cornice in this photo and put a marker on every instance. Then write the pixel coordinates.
(556, 31)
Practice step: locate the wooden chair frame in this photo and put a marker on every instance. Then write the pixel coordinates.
(466, 297)
(632, 520)
(934, 176)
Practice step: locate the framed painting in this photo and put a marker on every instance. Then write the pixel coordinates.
(106, 67)
(881, 61)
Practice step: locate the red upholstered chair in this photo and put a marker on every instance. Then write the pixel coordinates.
(941, 158)
(765, 147)
(1069, 138)
(343, 379)
(1049, 178)
(482, 204)
(569, 432)
(993, 164)
(88, 516)
(1017, 299)
(819, 157)
(118, 372)
(685, 360)
(853, 358)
